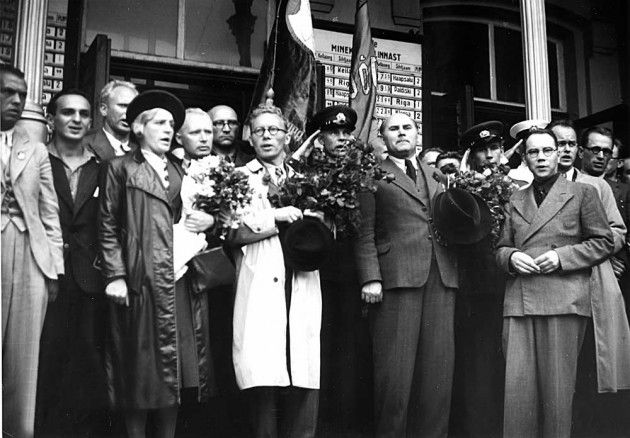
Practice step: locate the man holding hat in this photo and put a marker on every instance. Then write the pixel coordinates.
(410, 278)
(277, 309)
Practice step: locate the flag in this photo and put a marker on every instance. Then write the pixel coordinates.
(363, 72)
(289, 67)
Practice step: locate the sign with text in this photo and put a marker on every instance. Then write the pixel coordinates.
(399, 73)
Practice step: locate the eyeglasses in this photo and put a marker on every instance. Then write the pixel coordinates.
(221, 123)
(273, 131)
(533, 153)
(569, 143)
(595, 150)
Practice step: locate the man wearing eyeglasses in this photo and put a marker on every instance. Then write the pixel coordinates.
(225, 130)
(554, 233)
(567, 153)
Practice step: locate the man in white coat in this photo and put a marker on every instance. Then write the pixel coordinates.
(277, 311)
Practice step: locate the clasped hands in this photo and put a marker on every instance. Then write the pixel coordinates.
(543, 264)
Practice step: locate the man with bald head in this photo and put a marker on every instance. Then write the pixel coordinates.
(409, 279)
(225, 132)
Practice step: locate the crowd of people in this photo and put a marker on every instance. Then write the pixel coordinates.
(420, 324)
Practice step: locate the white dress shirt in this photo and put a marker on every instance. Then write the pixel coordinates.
(120, 147)
(159, 164)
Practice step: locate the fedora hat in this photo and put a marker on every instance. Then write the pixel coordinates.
(307, 244)
(461, 217)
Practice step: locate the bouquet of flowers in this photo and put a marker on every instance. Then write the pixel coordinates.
(494, 187)
(217, 189)
(331, 183)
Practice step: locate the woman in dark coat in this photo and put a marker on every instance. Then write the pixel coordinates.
(158, 340)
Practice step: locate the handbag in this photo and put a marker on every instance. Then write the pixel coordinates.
(210, 269)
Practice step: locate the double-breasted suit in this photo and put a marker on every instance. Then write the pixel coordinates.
(546, 314)
(412, 328)
(31, 253)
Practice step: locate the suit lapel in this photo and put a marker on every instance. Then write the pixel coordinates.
(525, 204)
(101, 147)
(20, 155)
(401, 180)
(557, 197)
(61, 182)
(88, 182)
(430, 183)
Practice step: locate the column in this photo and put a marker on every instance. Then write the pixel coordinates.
(534, 26)
(29, 56)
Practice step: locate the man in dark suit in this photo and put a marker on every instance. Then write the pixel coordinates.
(31, 255)
(71, 384)
(554, 233)
(225, 132)
(113, 139)
(410, 279)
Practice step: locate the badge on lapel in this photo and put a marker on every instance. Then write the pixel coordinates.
(21, 155)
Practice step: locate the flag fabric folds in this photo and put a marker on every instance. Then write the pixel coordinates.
(289, 67)
(363, 73)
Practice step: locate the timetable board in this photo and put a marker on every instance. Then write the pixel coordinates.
(399, 81)
(8, 23)
(54, 53)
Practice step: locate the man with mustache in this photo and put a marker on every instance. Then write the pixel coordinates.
(409, 278)
(113, 139)
(32, 255)
(225, 136)
(71, 356)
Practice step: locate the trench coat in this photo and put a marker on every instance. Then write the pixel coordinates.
(261, 320)
(136, 243)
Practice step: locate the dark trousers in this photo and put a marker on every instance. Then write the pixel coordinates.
(288, 412)
(477, 408)
(413, 350)
(346, 364)
(71, 387)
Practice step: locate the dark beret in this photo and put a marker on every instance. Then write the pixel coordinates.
(335, 116)
(481, 135)
(157, 99)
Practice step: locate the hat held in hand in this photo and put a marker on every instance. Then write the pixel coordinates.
(307, 244)
(461, 217)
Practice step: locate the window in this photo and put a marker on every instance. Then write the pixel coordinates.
(141, 26)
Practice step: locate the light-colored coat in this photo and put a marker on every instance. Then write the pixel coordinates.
(32, 181)
(260, 310)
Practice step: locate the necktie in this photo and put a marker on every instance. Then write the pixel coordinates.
(279, 176)
(165, 180)
(410, 170)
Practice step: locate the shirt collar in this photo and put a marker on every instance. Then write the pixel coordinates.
(570, 174)
(85, 157)
(114, 141)
(9, 135)
(400, 162)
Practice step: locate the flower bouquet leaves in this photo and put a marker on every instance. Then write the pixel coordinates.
(494, 187)
(332, 183)
(219, 189)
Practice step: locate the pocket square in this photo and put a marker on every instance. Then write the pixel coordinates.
(95, 195)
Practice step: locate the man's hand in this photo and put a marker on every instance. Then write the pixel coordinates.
(316, 214)
(372, 292)
(548, 262)
(287, 214)
(53, 289)
(198, 221)
(117, 291)
(618, 266)
(306, 147)
(524, 264)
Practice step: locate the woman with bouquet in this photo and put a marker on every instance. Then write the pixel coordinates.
(151, 351)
